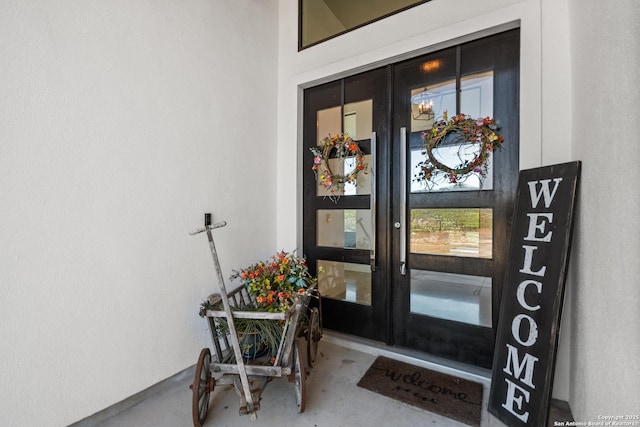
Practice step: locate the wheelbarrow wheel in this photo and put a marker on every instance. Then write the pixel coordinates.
(300, 373)
(203, 385)
(313, 336)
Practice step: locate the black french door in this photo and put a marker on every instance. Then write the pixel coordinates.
(343, 235)
(408, 264)
(453, 237)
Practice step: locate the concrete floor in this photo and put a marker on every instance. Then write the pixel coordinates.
(333, 397)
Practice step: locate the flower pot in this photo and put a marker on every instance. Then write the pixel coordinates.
(252, 346)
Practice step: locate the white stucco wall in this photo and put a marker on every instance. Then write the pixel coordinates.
(605, 60)
(121, 123)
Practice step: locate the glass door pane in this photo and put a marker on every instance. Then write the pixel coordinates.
(459, 297)
(345, 281)
(462, 232)
(476, 94)
(344, 228)
(355, 122)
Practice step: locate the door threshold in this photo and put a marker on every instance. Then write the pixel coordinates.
(414, 357)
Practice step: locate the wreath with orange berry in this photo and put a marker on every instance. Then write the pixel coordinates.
(478, 134)
(338, 146)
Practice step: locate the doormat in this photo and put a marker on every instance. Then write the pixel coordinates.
(432, 391)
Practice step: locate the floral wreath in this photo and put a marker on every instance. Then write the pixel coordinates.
(481, 131)
(344, 146)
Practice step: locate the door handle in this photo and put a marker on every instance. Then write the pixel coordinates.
(403, 201)
(372, 204)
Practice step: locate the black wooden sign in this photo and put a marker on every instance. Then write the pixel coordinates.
(527, 338)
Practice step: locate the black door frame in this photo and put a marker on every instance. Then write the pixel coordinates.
(377, 322)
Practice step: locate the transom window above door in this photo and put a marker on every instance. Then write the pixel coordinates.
(320, 20)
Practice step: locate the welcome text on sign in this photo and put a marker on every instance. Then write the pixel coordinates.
(520, 365)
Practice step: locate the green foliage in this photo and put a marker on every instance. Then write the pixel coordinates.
(435, 220)
(268, 332)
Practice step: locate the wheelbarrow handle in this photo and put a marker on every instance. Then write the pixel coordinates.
(208, 227)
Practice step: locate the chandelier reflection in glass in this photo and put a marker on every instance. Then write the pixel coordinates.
(424, 102)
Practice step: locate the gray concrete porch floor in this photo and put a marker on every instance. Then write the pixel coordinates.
(333, 397)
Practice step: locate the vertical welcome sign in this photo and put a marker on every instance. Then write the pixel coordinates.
(527, 337)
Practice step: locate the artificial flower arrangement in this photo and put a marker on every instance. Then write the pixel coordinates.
(276, 283)
(481, 134)
(337, 146)
(272, 286)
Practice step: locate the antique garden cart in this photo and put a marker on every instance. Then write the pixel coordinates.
(236, 360)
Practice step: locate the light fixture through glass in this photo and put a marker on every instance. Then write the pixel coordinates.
(425, 105)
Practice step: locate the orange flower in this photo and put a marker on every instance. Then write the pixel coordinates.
(273, 282)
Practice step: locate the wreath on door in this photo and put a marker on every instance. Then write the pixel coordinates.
(480, 135)
(338, 146)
